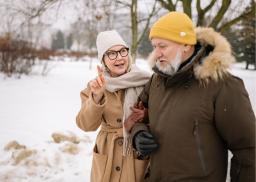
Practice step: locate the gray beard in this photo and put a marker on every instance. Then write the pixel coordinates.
(172, 67)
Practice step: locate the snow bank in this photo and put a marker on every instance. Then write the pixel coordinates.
(39, 139)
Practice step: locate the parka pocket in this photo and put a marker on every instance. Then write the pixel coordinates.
(98, 166)
(140, 167)
(199, 146)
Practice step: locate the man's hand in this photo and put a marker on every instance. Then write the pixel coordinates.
(144, 143)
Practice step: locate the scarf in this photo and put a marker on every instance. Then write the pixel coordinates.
(133, 82)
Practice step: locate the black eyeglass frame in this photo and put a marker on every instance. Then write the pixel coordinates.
(116, 52)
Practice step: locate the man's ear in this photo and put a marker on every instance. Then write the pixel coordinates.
(186, 48)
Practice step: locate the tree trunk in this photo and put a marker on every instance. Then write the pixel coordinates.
(134, 27)
(168, 5)
(187, 7)
(224, 7)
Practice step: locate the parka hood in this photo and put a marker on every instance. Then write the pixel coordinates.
(215, 65)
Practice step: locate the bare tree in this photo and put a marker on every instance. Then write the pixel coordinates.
(22, 18)
(217, 20)
(33, 10)
(20, 32)
(249, 12)
(97, 15)
(16, 56)
(137, 21)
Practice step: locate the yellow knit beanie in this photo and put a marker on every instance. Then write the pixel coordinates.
(174, 26)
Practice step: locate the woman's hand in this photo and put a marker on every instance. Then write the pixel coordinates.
(98, 85)
(139, 112)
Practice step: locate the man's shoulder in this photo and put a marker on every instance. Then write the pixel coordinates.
(231, 79)
(155, 78)
(229, 83)
(228, 78)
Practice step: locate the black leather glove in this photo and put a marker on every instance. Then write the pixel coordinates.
(144, 143)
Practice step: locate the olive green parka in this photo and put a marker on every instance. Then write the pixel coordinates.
(199, 114)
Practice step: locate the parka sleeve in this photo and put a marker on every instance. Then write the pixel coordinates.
(235, 121)
(144, 96)
(89, 117)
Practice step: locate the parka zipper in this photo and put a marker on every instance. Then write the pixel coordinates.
(199, 145)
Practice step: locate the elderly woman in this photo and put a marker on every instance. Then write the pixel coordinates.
(106, 103)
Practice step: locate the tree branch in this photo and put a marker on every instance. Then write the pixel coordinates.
(207, 8)
(148, 21)
(123, 3)
(225, 5)
(201, 12)
(187, 7)
(244, 15)
(168, 5)
(31, 12)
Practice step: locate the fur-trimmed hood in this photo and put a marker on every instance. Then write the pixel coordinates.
(216, 64)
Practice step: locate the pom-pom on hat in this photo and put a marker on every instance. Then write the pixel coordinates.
(174, 26)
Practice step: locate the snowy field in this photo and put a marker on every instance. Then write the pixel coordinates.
(39, 140)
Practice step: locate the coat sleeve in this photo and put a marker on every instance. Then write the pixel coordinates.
(89, 117)
(235, 121)
(144, 95)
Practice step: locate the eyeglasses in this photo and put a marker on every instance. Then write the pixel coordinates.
(113, 54)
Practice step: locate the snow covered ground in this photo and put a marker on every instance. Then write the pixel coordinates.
(34, 107)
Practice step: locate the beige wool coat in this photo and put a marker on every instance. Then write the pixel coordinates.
(109, 165)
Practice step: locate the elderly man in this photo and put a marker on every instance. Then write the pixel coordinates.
(197, 110)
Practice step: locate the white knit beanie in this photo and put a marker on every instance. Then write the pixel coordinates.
(106, 40)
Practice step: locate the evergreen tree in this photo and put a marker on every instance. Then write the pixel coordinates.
(145, 46)
(246, 48)
(69, 41)
(242, 39)
(58, 41)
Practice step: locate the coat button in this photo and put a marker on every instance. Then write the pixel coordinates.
(118, 168)
(119, 120)
(120, 142)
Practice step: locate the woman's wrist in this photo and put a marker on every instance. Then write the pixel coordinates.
(97, 97)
